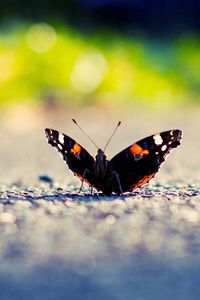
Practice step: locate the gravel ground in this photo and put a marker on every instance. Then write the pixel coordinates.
(56, 244)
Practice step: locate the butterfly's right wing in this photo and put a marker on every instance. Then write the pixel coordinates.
(77, 158)
(139, 162)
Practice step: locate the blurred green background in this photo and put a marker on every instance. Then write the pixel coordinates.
(99, 52)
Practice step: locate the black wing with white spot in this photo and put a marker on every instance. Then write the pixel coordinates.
(139, 162)
(77, 158)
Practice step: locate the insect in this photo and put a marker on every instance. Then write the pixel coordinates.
(128, 170)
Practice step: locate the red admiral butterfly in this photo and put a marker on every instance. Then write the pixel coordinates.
(128, 170)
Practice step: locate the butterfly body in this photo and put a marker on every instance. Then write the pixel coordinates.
(128, 170)
(100, 174)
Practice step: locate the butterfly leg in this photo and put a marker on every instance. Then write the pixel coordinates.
(80, 189)
(91, 190)
(118, 181)
(82, 180)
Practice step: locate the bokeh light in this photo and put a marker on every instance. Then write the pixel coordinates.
(41, 37)
(89, 71)
(7, 65)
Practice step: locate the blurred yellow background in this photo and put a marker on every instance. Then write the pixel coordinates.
(57, 64)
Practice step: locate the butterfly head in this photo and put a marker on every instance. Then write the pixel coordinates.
(101, 163)
(101, 157)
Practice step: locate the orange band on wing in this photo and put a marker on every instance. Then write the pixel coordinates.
(136, 149)
(76, 149)
(142, 181)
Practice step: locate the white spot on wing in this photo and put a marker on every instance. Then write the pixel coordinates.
(59, 146)
(61, 138)
(164, 147)
(158, 139)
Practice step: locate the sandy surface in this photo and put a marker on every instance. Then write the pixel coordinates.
(55, 244)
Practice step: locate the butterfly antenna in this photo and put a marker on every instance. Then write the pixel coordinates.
(112, 135)
(85, 134)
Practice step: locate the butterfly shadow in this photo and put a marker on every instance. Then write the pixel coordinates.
(83, 196)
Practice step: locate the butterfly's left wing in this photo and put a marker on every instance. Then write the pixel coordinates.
(138, 163)
(77, 158)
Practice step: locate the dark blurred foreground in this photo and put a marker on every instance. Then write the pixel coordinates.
(141, 246)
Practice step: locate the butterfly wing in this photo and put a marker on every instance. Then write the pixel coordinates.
(139, 162)
(77, 158)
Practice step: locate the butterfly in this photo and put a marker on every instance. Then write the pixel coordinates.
(128, 170)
